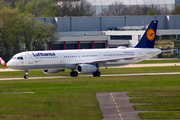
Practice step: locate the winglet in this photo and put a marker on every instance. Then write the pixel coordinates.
(148, 39)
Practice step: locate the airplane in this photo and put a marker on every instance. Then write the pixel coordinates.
(86, 60)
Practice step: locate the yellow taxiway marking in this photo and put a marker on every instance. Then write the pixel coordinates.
(116, 106)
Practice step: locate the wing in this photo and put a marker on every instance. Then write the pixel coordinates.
(107, 60)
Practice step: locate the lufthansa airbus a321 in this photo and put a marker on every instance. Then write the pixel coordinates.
(86, 61)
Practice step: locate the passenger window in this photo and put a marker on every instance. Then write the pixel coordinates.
(20, 58)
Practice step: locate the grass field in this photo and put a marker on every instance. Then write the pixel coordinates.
(74, 98)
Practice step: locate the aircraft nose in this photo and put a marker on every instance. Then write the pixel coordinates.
(13, 64)
(9, 64)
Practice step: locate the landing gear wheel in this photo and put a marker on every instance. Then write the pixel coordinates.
(96, 74)
(74, 74)
(25, 76)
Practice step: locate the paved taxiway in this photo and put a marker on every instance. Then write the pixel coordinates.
(127, 66)
(110, 75)
(117, 106)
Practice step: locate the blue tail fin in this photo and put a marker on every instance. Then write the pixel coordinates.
(148, 39)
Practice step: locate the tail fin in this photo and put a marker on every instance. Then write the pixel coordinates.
(148, 39)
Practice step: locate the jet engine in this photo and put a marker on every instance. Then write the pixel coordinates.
(53, 71)
(86, 68)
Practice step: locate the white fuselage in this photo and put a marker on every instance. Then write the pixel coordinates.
(69, 59)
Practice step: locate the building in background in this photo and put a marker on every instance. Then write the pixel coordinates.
(97, 32)
(99, 5)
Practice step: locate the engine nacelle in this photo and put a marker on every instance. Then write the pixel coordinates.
(53, 71)
(86, 68)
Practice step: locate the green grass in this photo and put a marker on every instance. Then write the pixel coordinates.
(157, 100)
(75, 98)
(160, 115)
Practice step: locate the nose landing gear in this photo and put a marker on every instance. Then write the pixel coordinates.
(26, 75)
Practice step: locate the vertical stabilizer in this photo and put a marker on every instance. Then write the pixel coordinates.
(148, 39)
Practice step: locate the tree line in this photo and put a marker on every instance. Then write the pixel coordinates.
(62, 8)
(119, 9)
(22, 32)
(52, 8)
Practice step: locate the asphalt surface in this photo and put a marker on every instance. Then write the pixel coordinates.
(110, 75)
(116, 106)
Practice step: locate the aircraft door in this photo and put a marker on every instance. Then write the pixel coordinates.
(30, 58)
(139, 54)
(99, 56)
(61, 58)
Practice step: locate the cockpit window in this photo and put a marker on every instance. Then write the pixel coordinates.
(20, 58)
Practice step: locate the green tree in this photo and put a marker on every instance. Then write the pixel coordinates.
(8, 32)
(177, 45)
(36, 35)
(20, 32)
(151, 12)
(12, 3)
(45, 35)
(75, 8)
(38, 8)
(176, 11)
(20, 6)
(4, 4)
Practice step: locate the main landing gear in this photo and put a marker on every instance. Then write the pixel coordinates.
(96, 74)
(26, 75)
(74, 73)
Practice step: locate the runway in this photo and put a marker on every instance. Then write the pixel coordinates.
(127, 66)
(108, 75)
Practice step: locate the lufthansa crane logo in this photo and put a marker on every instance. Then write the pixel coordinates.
(150, 34)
